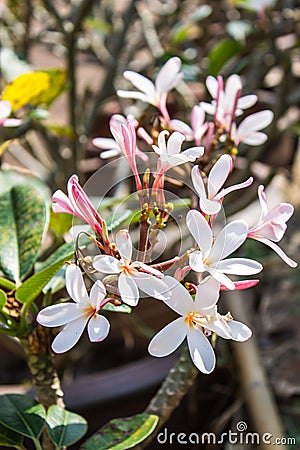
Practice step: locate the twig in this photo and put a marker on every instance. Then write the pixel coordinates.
(258, 395)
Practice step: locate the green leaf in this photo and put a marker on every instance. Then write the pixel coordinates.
(11, 178)
(22, 414)
(3, 298)
(64, 427)
(10, 438)
(23, 217)
(120, 434)
(222, 52)
(33, 286)
(7, 284)
(121, 308)
(65, 251)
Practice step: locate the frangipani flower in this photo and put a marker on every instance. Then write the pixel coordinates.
(169, 153)
(125, 136)
(75, 316)
(110, 145)
(5, 111)
(198, 125)
(227, 103)
(210, 257)
(78, 204)
(130, 279)
(155, 94)
(248, 130)
(210, 202)
(198, 317)
(271, 225)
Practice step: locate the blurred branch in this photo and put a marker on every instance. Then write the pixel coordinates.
(107, 87)
(258, 395)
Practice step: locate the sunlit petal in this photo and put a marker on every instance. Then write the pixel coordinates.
(124, 244)
(240, 332)
(69, 336)
(97, 294)
(218, 175)
(106, 264)
(75, 285)
(169, 338)
(57, 315)
(128, 290)
(152, 286)
(98, 328)
(200, 230)
(207, 294)
(201, 351)
(180, 300)
(230, 238)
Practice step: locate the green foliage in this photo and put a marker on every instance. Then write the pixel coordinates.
(33, 286)
(64, 427)
(121, 434)
(3, 298)
(7, 284)
(10, 438)
(22, 414)
(222, 52)
(113, 308)
(23, 217)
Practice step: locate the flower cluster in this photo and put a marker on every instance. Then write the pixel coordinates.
(211, 260)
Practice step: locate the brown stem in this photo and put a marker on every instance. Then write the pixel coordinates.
(171, 392)
(174, 262)
(44, 377)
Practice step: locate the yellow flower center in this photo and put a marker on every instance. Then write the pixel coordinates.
(128, 269)
(195, 318)
(89, 311)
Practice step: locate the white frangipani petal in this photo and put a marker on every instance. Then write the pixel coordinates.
(75, 285)
(219, 174)
(140, 82)
(200, 230)
(5, 109)
(168, 76)
(169, 338)
(271, 225)
(60, 314)
(180, 300)
(247, 101)
(220, 327)
(207, 295)
(239, 331)
(239, 266)
(278, 250)
(98, 328)
(196, 262)
(128, 290)
(124, 244)
(97, 294)
(107, 264)
(201, 351)
(230, 238)
(69, 335)
(152, 286)
(221, 277)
